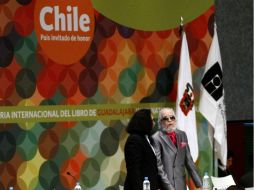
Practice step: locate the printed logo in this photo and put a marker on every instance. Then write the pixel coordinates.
(212, 81)
(187, 100)
(64, 28)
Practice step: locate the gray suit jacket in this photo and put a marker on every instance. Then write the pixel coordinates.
(173, 160)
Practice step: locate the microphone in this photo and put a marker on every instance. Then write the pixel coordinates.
(78, 186)
(73, 177)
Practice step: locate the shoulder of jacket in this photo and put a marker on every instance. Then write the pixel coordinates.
(180, 131)
(156, 134)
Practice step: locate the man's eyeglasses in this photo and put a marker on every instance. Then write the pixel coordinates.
(170, 118)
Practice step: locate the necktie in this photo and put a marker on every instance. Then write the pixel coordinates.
(172, 136)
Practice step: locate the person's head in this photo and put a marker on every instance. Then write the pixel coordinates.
(167, 120)
(141, 122)
(230, 156)
(230, 159)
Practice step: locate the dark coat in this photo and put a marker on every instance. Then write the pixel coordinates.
(140, 162)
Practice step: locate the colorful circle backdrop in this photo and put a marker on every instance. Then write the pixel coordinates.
(109, 61)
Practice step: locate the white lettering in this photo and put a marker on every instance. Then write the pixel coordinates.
(69, 21)
(59, 17)
(84, 19)
(4, 115)
(43, 12)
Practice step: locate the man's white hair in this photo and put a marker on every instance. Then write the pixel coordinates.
(160, 115)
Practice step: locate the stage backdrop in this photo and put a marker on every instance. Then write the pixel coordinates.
(72, 74)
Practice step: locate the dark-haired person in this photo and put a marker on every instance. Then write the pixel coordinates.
(139, 154)
(222, 172)
(173, 153)
(228, 170)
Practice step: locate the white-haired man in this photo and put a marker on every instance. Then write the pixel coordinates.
(173, 153)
